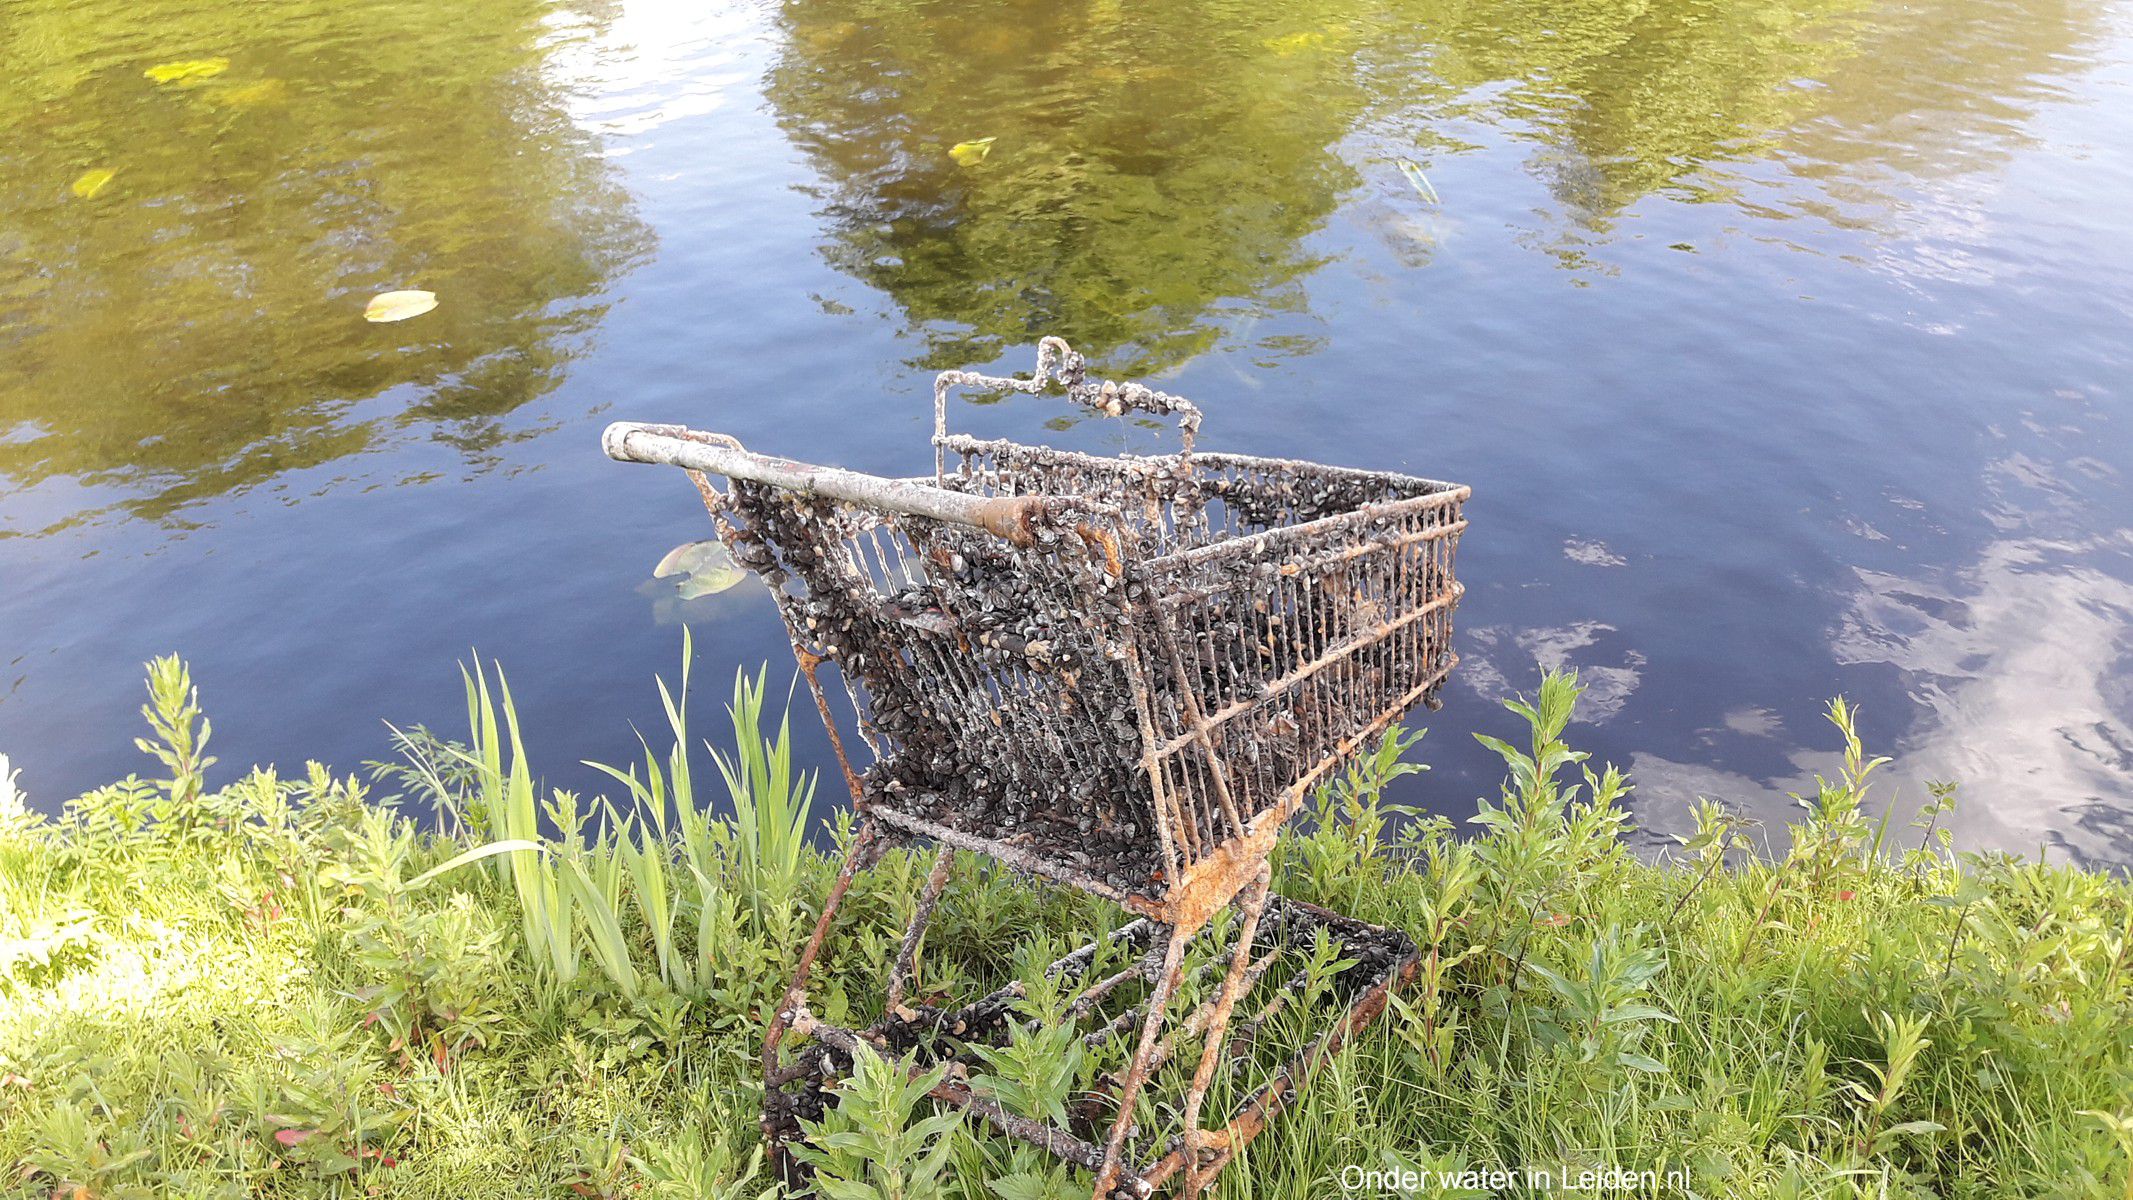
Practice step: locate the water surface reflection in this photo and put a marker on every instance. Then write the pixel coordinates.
(191, 329)
(1157, 173)
(1783, 343)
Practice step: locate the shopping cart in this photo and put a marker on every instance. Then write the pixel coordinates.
(1121, 674)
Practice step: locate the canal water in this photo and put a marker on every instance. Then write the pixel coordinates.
(1784, 344)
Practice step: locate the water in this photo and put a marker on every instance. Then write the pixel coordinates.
(1783, 344)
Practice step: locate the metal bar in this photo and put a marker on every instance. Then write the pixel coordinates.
(1137, 1073)
(1196, 1021)
(1093, 995)
(1007, 517)
(1262, 543)
(1387, 716)
(1073, 965)
(1282, 995)
(907, 953)
(1189, 697)
(1076, 964)
(1206, 461)
(1105, 397)
(1271, 1100)
(1321, 561)
(1297, 676)
(1276, 1097)
(1166, 810)
(781, 1018)
(1218, 1027)
(808, 661)
(1018, 858)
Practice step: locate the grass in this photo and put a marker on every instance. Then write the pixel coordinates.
(287, 986)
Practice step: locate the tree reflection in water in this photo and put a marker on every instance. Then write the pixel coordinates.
(195, 327)
(1160, 169)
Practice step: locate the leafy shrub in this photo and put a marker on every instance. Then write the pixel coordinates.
(878, 1142)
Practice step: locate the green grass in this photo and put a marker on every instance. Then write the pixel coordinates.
(284, 986)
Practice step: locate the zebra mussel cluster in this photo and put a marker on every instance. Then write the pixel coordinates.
(995, 673)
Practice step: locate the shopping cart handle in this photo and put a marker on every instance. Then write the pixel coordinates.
(1104, 396)
(1010, 517)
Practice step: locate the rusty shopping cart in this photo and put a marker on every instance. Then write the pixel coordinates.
(1122, 675)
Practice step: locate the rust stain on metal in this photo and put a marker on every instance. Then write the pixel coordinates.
(1123, 675)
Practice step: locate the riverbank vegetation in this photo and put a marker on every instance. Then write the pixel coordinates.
(436, 978)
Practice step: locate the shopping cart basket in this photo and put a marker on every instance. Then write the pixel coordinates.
(1121, 674)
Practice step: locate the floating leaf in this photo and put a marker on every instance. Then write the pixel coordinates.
(187, 70)
(970, 154)
(705, 568)
(1295, 43)
(1421, 182)
(398, 306)
(89, 183)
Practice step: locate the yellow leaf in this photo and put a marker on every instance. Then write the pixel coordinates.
(398, 306)
(970, 154)
(89, 183)
(1295, 43)
(191, 68)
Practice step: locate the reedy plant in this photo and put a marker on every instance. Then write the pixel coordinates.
(173, 712)
(764, 845)
(617, 876)
(505, 795)
(666, 822)
(771, 805)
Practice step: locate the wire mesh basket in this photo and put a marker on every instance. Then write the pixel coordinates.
(1121, 673)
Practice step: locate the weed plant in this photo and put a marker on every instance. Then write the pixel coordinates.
(287, 985)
